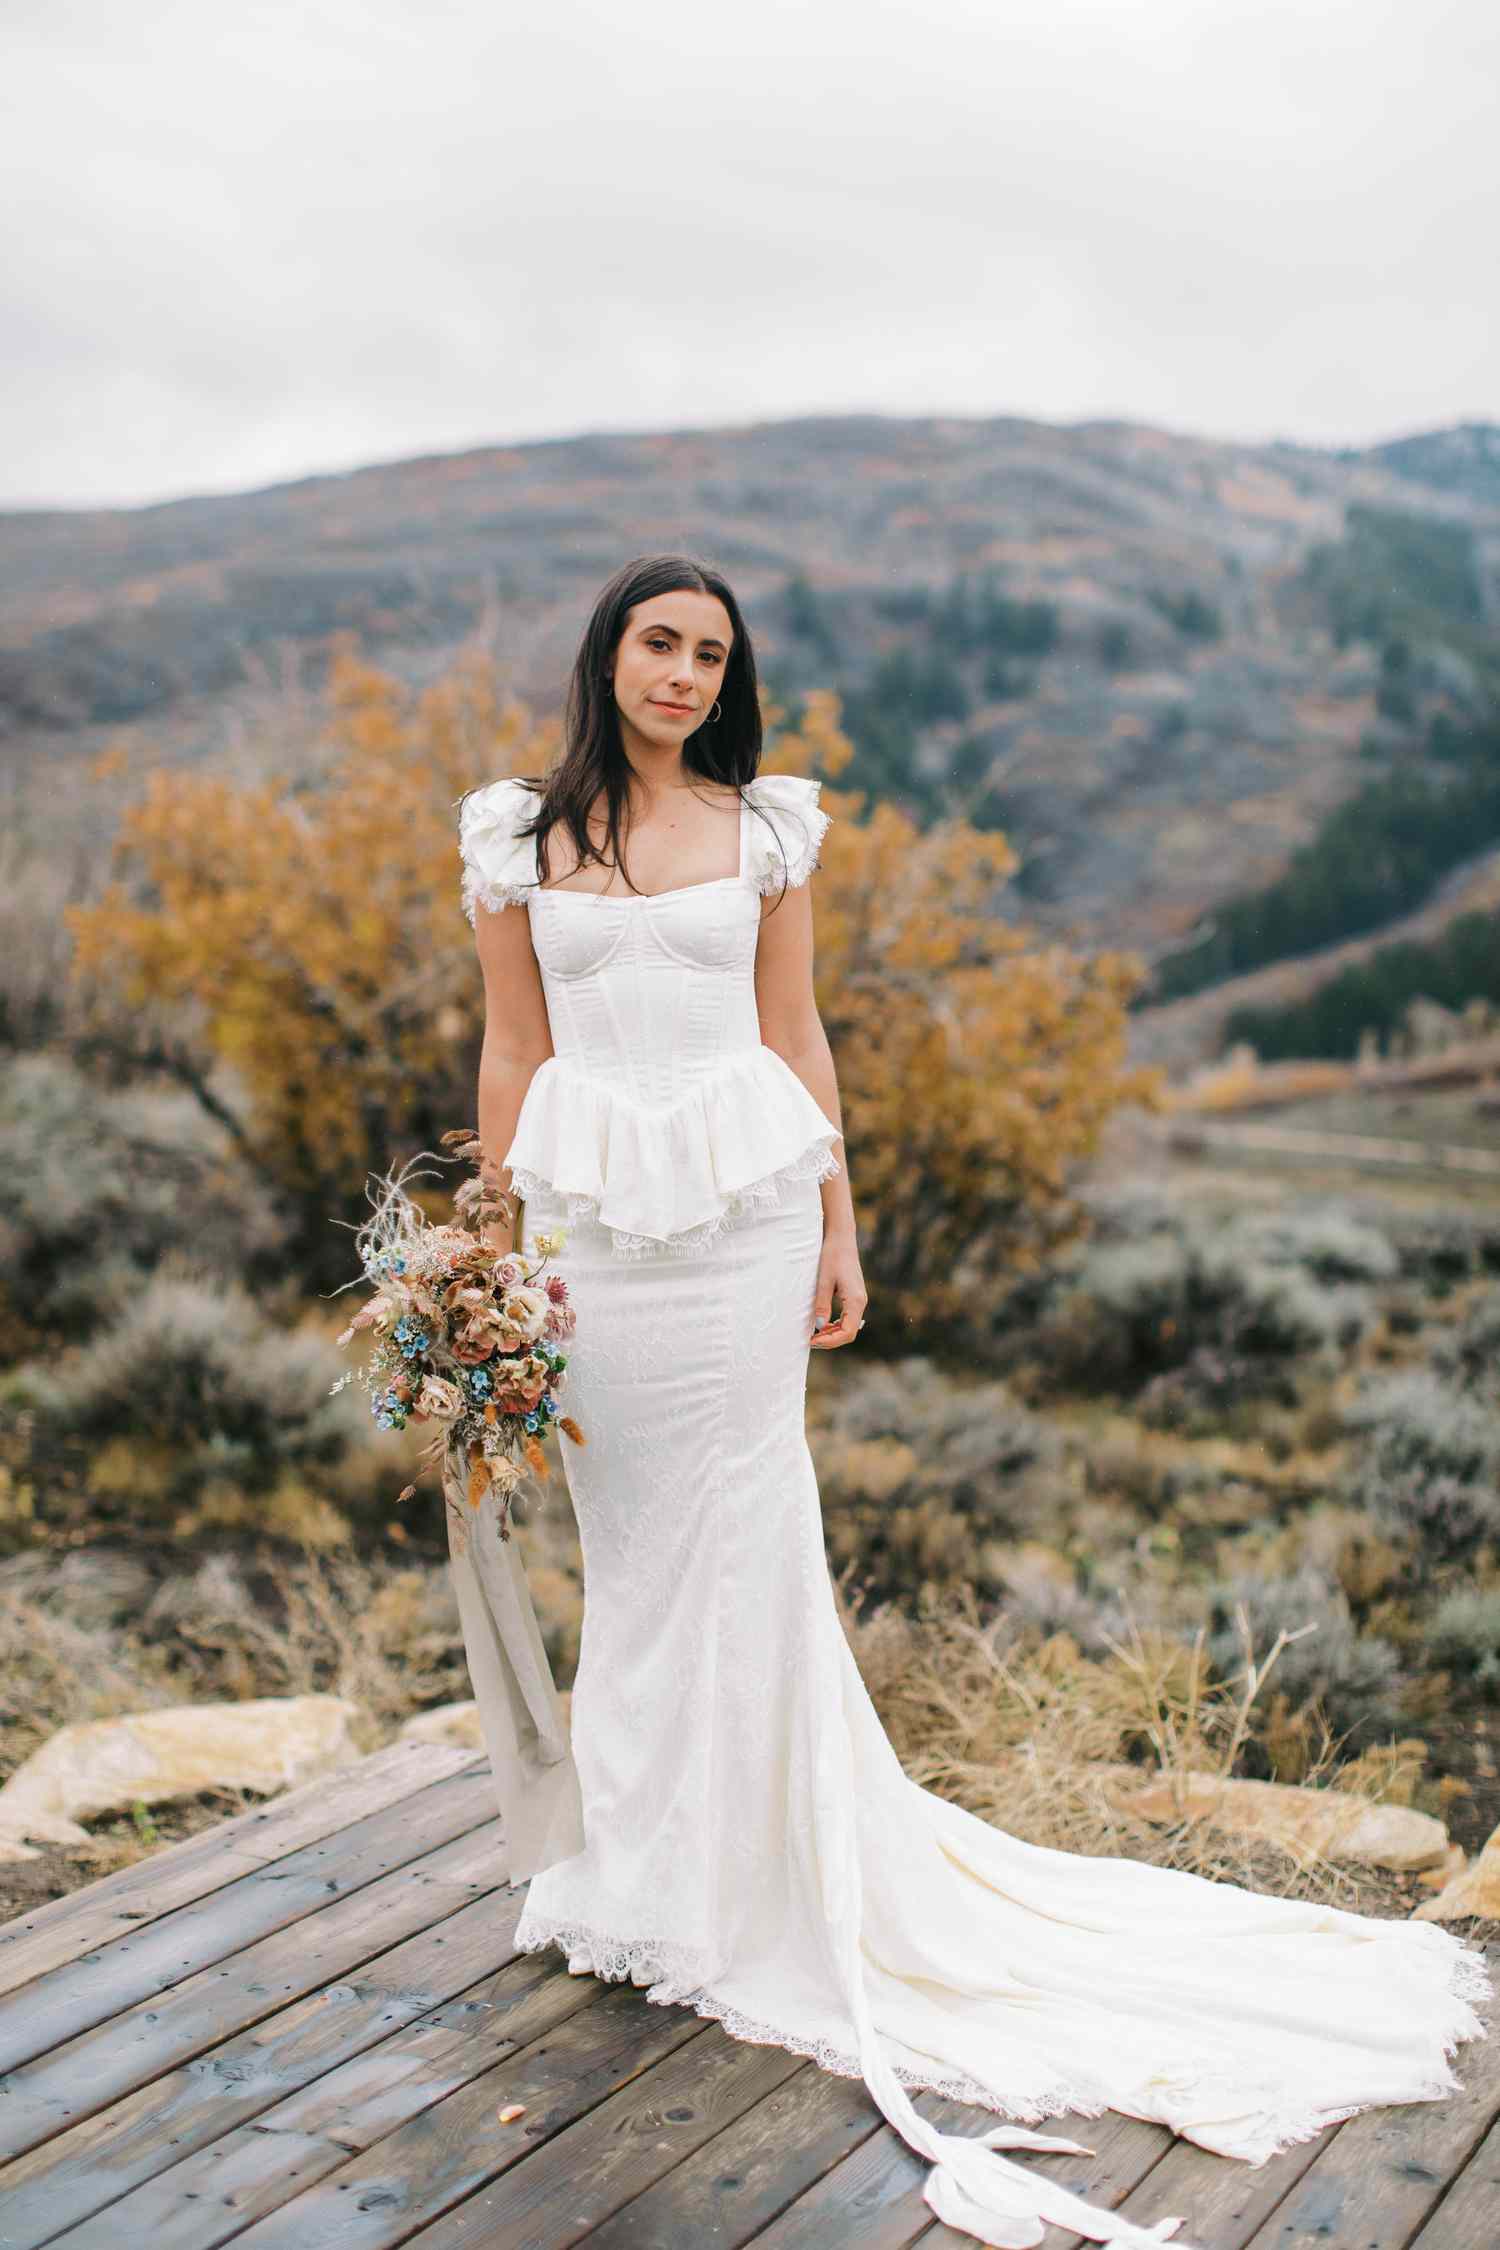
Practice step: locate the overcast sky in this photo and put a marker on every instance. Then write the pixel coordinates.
(248, 240)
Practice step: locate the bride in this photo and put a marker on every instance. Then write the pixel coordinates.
(729, 1825)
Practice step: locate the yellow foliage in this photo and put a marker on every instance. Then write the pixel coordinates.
(976, 1065)
(310, 933)
(291, 1510)
(1240, 1081)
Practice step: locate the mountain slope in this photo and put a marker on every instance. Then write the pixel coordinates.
(1212, 660)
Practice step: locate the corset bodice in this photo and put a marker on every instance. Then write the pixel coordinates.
(660, 1111)
(649, 994)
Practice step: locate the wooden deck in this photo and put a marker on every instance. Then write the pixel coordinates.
(296, 2032)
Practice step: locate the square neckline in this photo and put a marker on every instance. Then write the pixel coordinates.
(646, 898)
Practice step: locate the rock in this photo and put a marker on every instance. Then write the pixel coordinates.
(456, 1724)
(1453, 1865)
(453, 1723)
(1333, 1822)
(105, 1765)
(1476, 1890)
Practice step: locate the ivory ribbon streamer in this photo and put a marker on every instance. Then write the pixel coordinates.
(531, 1757)
(971, 2186)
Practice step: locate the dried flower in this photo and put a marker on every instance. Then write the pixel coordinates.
(464, 1335)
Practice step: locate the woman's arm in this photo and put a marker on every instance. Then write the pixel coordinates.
(790, 1023)
(517, 1039)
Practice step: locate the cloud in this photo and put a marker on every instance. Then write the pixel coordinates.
(261, 240)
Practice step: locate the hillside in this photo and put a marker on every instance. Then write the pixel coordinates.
(1156, 660)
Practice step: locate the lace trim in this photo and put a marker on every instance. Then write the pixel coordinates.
(816, 1163)
(491, 895)
(674, 1976)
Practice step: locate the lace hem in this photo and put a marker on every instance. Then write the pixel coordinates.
(674, 1975)
(818, 1163)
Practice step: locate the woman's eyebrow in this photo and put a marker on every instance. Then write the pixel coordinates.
(708, 640)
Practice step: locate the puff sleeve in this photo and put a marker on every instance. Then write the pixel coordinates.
(499, 868)
(784, 845)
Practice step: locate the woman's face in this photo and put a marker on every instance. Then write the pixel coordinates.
(670, 663)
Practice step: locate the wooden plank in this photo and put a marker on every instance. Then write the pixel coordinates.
(872, 2199)
(748, 2173)
(105, 2156)
(562, 2192)
(67, 2000)
(55, 2090)
(1220, 2200)
(1380, 2176)
(250, 2172)
(180, 1873)
(1324, 2191)
(1468, 2218)
(457, 2146)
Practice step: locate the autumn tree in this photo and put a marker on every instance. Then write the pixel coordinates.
(977, 1066)
(294, 950)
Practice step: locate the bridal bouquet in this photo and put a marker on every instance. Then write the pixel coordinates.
(463, 1335)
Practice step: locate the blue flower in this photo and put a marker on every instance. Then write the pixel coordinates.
(388, 1410)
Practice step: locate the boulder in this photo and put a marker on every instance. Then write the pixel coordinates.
(1474, 1890)
(456, 1724)
(107, 1765)
(1332, 1822)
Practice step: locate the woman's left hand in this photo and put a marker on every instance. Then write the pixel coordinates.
(839, 1276)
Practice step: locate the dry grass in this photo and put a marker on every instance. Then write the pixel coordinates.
(1240, 1082)
(1010, 1722)
(387, 1639)
(1023, 1734)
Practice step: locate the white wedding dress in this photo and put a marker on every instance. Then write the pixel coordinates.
(752, 1847)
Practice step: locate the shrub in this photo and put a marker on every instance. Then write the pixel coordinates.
(1329, 1244)
(98, 1184)
(1352, 1677)
(1442, 1248)
(1465, 1634)
(1429, 1466)
(194, 1373)
(1133, 1310)
(924, 1481)
(1214, 1392)
(1470, 1357)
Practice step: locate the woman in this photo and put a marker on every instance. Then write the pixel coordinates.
(739, 1836)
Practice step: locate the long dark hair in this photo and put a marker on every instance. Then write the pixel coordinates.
(726, 749)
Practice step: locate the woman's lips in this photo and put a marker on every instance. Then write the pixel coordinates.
(682, 710)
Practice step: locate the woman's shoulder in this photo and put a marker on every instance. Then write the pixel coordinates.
(499, 864)
(785, 839)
